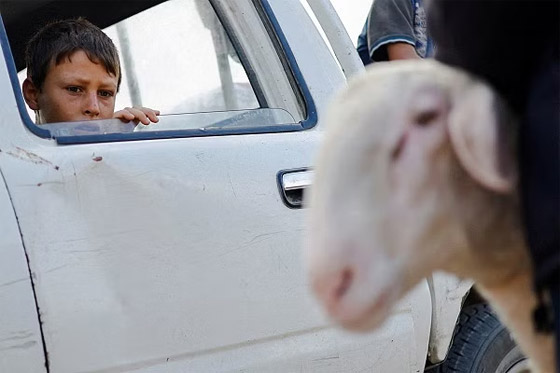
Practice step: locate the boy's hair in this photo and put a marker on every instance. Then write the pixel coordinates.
(59, 39)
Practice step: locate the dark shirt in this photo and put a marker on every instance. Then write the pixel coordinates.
(394, 21)
(498, 40)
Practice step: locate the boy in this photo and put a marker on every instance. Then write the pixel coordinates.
(74, 74)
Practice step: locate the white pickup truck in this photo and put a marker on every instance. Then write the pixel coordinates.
(176, 247)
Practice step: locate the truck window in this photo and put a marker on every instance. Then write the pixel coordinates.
(181, 58)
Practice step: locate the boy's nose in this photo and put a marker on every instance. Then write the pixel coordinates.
(91, 105)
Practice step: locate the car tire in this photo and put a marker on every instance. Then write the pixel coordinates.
(481, 344)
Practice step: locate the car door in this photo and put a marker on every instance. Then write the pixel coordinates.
(177, 246)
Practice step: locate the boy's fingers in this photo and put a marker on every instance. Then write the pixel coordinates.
(139, 114)
(150, 113)
(124, 115)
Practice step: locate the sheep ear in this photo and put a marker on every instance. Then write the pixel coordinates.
(482, 133)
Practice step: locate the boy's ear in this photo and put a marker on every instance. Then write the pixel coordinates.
(30, 94)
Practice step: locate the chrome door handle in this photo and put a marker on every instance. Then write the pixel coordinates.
(292, 185)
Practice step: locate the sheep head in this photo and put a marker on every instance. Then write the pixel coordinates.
(414, 152)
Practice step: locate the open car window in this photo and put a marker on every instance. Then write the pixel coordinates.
(177, 57)
(202, 66)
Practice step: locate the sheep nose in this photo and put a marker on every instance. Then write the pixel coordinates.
(332, 289)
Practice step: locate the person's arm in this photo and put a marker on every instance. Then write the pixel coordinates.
(401, 51)
(391, 29)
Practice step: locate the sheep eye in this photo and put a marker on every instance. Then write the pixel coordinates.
(396, 153)
(427, 117)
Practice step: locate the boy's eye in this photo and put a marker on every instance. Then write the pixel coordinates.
(73, 89)
(106, 94)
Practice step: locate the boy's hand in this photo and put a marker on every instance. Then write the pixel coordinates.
(137, 114)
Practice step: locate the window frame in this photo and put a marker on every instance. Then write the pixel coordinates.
(284, 52)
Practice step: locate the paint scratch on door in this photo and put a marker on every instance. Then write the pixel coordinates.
(28, 156)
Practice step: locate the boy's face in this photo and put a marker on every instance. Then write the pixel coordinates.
(74, 90)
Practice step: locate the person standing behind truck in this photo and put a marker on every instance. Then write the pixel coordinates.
(394, 30)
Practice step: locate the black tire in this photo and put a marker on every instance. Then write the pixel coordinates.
(481, 344)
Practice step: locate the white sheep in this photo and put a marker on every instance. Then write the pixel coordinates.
(417, 173)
